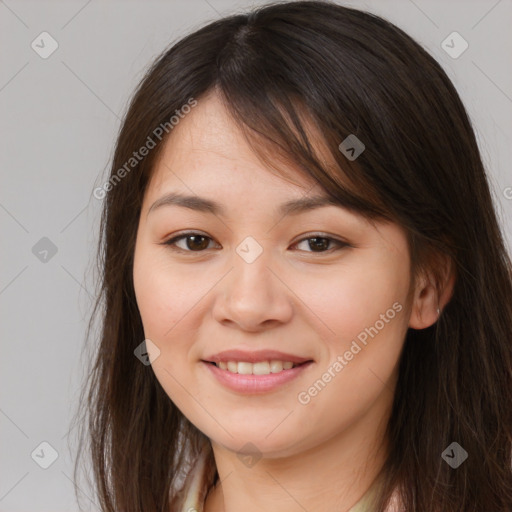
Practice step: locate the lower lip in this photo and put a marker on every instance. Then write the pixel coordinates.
(255, 384)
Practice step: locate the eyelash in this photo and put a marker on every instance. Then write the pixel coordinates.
(171, 242)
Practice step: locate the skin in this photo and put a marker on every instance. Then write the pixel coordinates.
(322, 455)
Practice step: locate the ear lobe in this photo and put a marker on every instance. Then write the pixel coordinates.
(432, 291)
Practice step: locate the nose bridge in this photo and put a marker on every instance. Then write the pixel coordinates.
(253, 294)
(252, 275)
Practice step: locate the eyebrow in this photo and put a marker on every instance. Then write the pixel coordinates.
(201, 204)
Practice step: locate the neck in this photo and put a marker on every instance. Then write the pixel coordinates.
(332, 475)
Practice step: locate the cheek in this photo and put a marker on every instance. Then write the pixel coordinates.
(163, 303)
(163, 294)
(356, 297)
(172, 304)
(363, 305)
(155, 305)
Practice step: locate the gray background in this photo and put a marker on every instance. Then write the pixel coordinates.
(59, 118)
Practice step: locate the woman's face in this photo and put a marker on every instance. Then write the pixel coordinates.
(256, 279)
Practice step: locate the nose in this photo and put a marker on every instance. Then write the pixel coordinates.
(253, 296)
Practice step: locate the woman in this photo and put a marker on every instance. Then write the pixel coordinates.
(307, 300)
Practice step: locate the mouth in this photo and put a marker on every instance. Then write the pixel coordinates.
(256, 377)
(256, 371)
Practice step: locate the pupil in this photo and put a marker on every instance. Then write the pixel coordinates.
(204, 245)
(323, 245)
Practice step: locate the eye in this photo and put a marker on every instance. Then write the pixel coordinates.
(320, 243)
(194, 242)
(197, 242)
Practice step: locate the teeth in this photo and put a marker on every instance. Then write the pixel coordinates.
(244, 368)
(260, 368)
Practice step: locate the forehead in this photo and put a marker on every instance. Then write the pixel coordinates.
(208, 143)
(208, 149)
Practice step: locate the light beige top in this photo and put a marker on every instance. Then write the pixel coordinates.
(195, 499)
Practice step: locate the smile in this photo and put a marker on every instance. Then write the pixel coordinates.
(255, 378)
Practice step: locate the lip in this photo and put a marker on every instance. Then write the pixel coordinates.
(254, 356)
(255, 384)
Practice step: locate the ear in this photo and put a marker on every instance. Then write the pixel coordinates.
(433, 290)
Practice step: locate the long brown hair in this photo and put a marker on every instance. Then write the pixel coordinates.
(350, 72)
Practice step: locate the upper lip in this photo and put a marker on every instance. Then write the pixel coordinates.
(255, 356)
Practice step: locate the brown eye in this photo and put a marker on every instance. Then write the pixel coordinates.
(321, 244)
(318, 244)
(195, 242)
